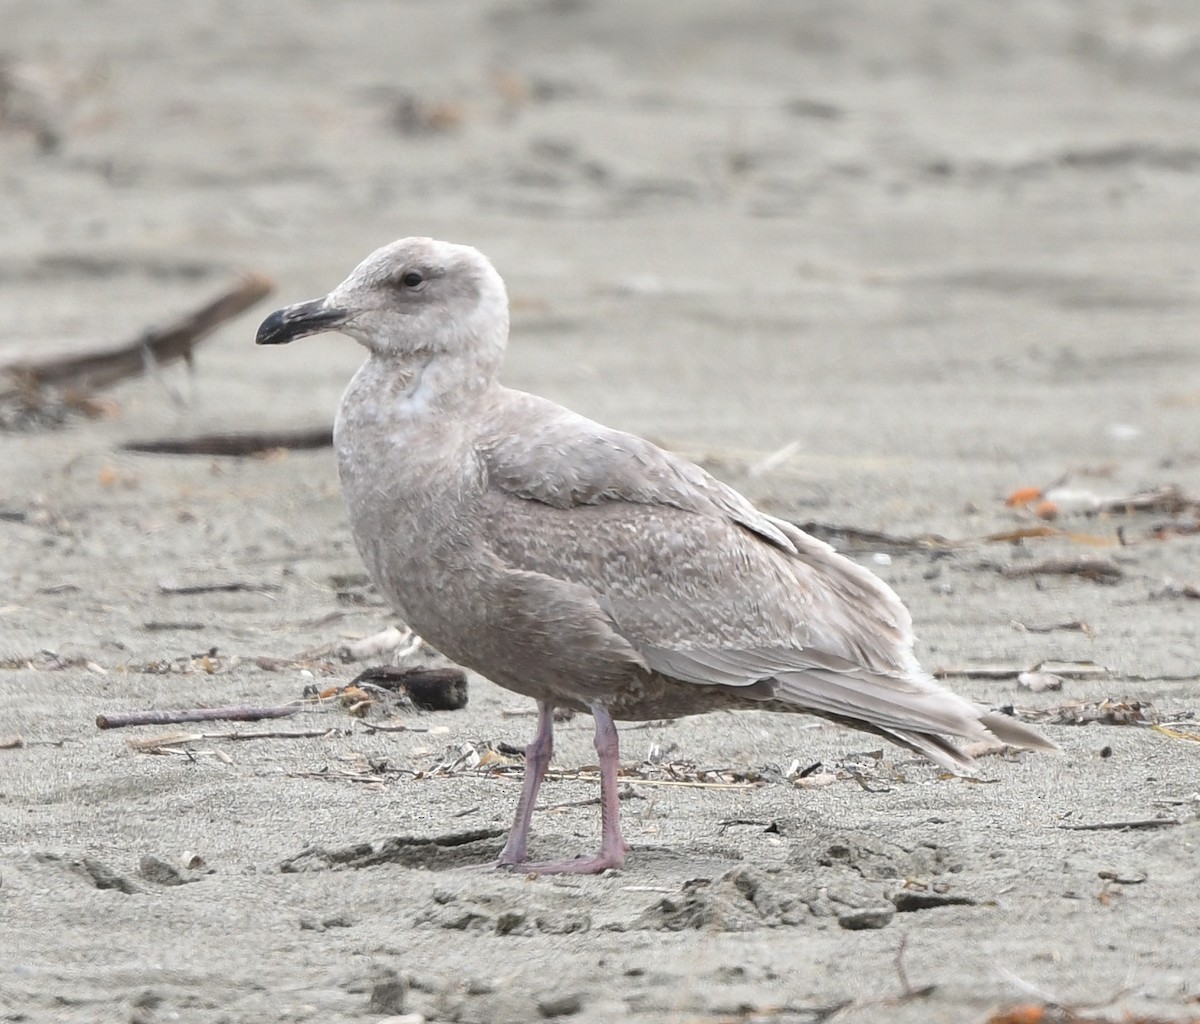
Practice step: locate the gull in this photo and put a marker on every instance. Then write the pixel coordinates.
(585, 567)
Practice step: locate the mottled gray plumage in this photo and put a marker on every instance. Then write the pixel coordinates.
(583, 566)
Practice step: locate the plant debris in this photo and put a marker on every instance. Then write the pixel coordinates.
(1054, 1013)
(853, 538)
(1058, 501)
(409, 851)
(1101, 712)
(1122, 826)
(51, 661)
(1065, 669)
(46, 392)
(162, 744)
(1043, 532)
(1172, 589)
(1100, 570)
(174, 588)
(1168, 500)
(1075, 625)
(1177, 734)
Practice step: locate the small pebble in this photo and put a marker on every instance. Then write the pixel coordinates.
(388, 992)
(147, 999)
(510, 921)
(866, 918)
(104, 877)
(154, 869)
(560, 1005)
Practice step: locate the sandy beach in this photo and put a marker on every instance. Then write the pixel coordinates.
(878, 266)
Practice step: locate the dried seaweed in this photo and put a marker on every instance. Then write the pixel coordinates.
(1109, 711)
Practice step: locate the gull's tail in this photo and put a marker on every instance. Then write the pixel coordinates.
(916, 713)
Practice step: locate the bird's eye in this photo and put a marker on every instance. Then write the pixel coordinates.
(412, 279)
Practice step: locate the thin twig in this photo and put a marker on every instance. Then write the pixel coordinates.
(1102, 570)
(634, 781)
(176, 739)
(853, 538)
(176, 589)
(234, 713)
(299, 734)
(1121, 826)
(1076, 625)
(1066, 669)
(400, 727)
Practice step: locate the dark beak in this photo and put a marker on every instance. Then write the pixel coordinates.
(299, 321)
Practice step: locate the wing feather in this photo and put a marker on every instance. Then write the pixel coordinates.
(711, 591)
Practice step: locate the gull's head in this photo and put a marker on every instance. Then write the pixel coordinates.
(415, 298)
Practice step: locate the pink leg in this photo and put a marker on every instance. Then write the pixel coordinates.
(537, 760)
(612, 844)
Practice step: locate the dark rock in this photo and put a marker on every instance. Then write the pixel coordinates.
(512, 922)
(564, 922)
(104, 877)
(160, 872)
(388, 991)
(430, 689)
(908, 900)
(866, 918)
(147, 999)
(460, 920)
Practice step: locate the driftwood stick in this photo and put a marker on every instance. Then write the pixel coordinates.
(1102, 570)
(175, 588)
(853, 538)
(241, 444)
(235, 713)
(102, 368)
(275, 734)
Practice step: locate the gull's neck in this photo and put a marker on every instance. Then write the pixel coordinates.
(440, 382)
(419, 387)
